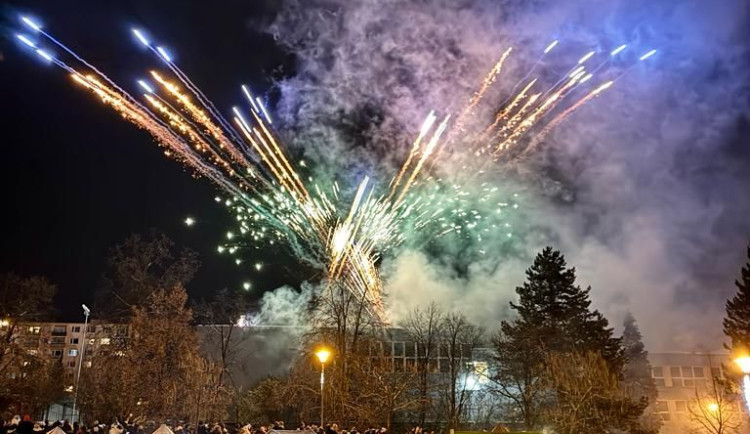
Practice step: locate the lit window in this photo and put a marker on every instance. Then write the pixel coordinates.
(88, 363)
(72, 352)
(104, 341)
(34, 330)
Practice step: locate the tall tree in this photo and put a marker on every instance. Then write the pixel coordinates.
(637, 379)
(425, 326)
(553, 315)
(139, 266)
(158, 371)
(24, 375)
(737, 321)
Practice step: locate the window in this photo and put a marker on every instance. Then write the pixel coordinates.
(71, 364)
(398, 349)
(56, 353)
(680, 406)
(72, 352)
(662, 408)
(76, 329)
(716, 372)
(74, 341)
(104, 341)
(685, 376)
(657, 373)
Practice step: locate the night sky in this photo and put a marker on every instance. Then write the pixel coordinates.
(78, 180)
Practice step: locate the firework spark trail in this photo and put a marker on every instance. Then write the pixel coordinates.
(425, 155)
(426, 126)
(488, 81)
(564, 115)
(162, 54)
(200, 116)
(502, 114)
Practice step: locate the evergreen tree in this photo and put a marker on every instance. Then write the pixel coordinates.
(558, 311)
(737, 321)
(637, 379)
(554, 315)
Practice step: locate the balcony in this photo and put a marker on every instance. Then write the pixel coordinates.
(59, 331)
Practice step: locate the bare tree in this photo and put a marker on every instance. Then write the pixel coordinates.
(585, 396)
(425, 328)
(715, 410)
(139, 266)
(459, 338)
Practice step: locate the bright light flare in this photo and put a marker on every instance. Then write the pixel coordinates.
(586, 57)
(29, 22)
(323, 354)
(164, 54)
(141, 37)
(189, 221)
(743, 363)
(246, 286)
(26, 41)
(618, 49)
(647, 55)
(250, 98)
(550, 46)
(586, 78)
(263, 109)
(145, 86)
(44, 55)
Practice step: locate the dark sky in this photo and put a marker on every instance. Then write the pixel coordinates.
(79, 180)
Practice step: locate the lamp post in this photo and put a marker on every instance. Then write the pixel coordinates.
(743, 363)
(86, 312)
(322, 355)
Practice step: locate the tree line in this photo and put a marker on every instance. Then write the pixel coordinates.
(555, 362)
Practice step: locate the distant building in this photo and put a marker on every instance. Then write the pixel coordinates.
(63, 343)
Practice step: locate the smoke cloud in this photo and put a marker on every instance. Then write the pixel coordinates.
(645, 189)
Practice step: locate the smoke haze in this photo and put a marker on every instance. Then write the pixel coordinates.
(645, 190)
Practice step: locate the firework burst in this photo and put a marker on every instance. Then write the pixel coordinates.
(344, 239)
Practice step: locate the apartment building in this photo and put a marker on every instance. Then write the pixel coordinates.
(681, 378)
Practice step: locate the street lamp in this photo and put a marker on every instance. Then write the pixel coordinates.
(86, 312)
(322, 354)
(744, 364)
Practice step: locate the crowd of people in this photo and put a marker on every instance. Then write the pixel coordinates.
(25, 425)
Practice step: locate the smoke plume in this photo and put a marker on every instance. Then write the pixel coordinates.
(645, 190)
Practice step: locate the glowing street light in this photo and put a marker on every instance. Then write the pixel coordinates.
(86, 312)
(322, 354)
(713, 407)
(743, 363)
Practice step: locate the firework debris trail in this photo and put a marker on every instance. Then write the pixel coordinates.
(273, 203)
